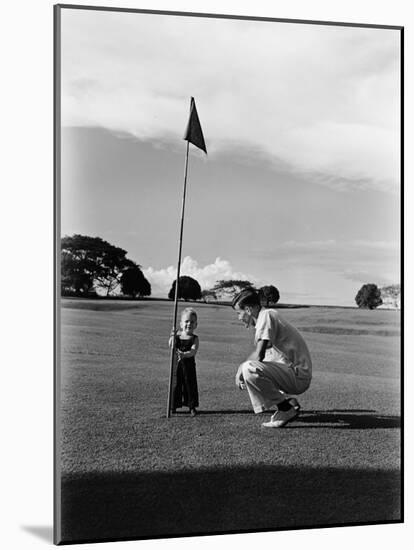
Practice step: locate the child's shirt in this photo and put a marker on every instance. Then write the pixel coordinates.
(186, 345)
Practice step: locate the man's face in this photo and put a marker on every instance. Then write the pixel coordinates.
(244, 315)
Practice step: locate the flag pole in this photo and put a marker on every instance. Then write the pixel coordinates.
(173, 356)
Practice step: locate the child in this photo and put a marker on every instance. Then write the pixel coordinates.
(185, 390)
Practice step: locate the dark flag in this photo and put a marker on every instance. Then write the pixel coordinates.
(194, 133)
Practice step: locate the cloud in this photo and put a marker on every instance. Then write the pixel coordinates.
(359, 260)
(307, 245)
(365, 277)
(162, 279)
(328, 147)
(324, 100)
(391, 246)
(329, 246)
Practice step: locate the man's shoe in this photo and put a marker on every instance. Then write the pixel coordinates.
(193, 412)
(281, 418)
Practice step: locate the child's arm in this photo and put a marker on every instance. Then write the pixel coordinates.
(191, 353)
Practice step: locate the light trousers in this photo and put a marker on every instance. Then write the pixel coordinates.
(271, 383)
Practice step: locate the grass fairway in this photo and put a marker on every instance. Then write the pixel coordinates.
(128, 472)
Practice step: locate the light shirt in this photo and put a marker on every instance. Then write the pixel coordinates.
(286, 344)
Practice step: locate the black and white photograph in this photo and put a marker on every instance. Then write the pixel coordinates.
(228, 257)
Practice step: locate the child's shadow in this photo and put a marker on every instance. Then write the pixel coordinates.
(215, 412)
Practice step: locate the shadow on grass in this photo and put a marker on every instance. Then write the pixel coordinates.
(351, 331)
(358, 419)
(346, 419)
(200, 412)
(121, 506)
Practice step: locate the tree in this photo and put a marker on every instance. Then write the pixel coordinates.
(133, 282)
(208, 295)
(75, 278)
(269, 294)
(368, 297)
(89, 263)
(391, 296)
(231, 287)
(188, 289)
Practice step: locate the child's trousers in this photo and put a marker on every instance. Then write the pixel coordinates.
(185, 389)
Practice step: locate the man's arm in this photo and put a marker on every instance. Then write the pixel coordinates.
(257, 355)
(259, 352)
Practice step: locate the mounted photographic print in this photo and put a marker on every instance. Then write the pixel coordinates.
(228, 274)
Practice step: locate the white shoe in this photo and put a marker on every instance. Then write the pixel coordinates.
(281, 418)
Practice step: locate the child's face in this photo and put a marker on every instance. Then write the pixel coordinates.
(188, 323)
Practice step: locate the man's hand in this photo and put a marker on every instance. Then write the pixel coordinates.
(239, 379)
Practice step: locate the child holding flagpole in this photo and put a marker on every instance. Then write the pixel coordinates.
(185, 388)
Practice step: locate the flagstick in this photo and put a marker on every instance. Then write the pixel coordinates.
(173, 358)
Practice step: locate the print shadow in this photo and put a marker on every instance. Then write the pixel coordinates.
(44, 533)
(346, 419)
(126, 506)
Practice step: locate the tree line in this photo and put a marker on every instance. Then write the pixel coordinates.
(90, 265)
(189, 289)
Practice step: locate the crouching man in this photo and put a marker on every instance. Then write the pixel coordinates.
(279, 367)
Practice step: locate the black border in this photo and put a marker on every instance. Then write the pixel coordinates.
(56, 273)
(220, 533)
(223, 16)
(56, 261)
(402, 260)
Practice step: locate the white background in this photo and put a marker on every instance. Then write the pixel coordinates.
(26, 160)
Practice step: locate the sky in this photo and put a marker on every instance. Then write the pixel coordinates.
(301, 184)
